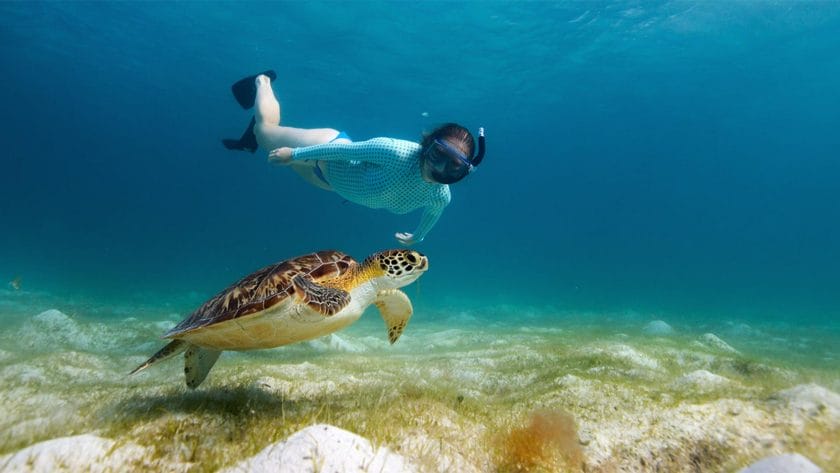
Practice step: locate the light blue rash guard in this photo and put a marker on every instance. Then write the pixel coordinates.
(382, 173)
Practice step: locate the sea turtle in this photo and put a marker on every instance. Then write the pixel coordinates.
(292, 301)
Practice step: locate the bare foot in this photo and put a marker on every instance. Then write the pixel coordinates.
(262, 79)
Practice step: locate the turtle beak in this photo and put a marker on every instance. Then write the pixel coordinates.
(418, 260)
(423, 265)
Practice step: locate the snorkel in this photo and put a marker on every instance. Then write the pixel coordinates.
(480, 155)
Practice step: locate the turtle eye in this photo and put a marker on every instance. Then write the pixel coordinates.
(411, 258)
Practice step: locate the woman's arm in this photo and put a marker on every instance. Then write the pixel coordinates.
(430, 217)
(377, 150)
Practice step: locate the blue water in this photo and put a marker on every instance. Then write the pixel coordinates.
(673, 158)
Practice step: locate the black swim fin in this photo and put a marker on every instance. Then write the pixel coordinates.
(244, 90)
(247, 142)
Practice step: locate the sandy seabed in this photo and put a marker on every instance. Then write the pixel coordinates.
(546, 393)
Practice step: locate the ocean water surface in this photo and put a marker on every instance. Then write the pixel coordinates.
(642, 275)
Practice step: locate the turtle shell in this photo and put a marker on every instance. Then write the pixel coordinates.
(264, 289)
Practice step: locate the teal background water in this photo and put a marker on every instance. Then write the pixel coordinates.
(674, 158)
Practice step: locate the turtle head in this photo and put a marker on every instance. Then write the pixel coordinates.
(398, 268)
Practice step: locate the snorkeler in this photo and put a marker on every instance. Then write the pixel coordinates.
(381, 173)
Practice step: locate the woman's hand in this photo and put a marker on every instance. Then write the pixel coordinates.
(406, 239)
(282, 156)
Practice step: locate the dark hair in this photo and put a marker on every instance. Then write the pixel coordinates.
(454, 134)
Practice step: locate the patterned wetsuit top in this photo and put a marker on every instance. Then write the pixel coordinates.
(382, 173)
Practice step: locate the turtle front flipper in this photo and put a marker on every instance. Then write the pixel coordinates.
(171, 349)
(322, 299)
(197, 363)
(395, 308)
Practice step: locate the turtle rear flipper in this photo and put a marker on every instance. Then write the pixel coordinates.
(171, 349)
(197, 363)
(324, 300)
(395, 308)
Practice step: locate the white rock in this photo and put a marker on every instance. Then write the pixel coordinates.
(743, 330)
(446, 339)
(52, 327)
(658, 327)
(712, 340)
(786, 463)
(80, 453)
(812, 399)
(5, 355)
(334, 342)
(700, 380)
(567, 380)
(163, 325)
(322, 447)
(53, 330)
(632, 356)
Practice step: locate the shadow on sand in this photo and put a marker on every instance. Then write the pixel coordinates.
(239, 403)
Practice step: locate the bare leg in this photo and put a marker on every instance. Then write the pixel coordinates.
(270, 135)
